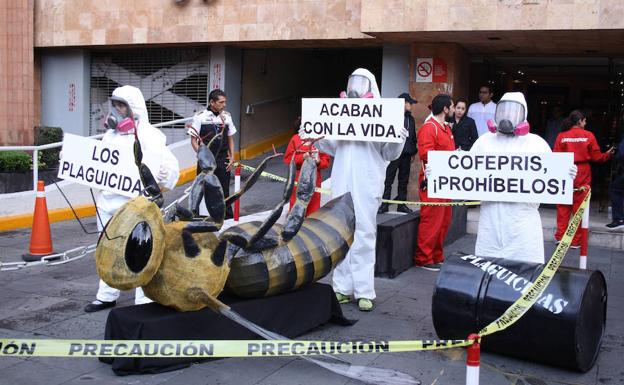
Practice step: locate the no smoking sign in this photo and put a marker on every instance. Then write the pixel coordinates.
(430, 70)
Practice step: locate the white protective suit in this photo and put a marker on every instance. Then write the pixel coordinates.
(152, 140)
(360, 168)
(510, 230)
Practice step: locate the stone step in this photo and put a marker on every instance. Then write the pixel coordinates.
(599, 235)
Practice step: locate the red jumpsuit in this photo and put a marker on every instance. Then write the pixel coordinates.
(585, 148)
(291, 150)
(434, 220)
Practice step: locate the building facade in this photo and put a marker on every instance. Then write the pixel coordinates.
(61, 59)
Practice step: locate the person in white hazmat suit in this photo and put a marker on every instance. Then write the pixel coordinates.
(511, 230)
(128, 113)
(360, 168)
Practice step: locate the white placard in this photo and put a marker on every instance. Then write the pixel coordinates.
(103, 166)
(360, 119)
(501, 177)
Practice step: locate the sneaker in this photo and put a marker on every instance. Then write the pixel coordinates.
(343, 298)
(617, 224)
(432, 266)
(365, 304)
(98, 305)
(383, 208)
(404, 209)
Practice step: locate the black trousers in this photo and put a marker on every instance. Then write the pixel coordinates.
(402, 165)
(224, 178)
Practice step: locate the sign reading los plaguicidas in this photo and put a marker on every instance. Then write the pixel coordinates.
(104, 166)
(366, 119)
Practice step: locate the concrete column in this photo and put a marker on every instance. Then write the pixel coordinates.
(395, 70)
(17, 73)
(225, 73)
(65, 90)
(458, 71)
(456, 85)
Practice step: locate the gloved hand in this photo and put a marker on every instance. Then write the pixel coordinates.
(403, 132)
(163, 174)
(302, 133)
(427, 170)
(573, 171)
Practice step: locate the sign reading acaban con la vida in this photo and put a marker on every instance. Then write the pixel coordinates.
(359, 119)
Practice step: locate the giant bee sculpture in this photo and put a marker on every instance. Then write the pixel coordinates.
(185, 264)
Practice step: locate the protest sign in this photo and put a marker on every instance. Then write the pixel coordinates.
(501, 177)
(103, 166)
(360, 119)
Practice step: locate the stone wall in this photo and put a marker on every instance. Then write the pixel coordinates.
(490, 15)
(114, 22)
(17, 73)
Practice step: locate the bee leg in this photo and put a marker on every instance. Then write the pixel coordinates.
(253, 178)
(148, 180)
(257, 239)
(305, 191)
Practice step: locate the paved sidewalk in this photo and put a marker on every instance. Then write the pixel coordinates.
(47, 302)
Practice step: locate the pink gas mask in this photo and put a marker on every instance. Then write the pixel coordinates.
(123, 123)
(519, 130)
(509, 119)
(368, 95)
(358, 87)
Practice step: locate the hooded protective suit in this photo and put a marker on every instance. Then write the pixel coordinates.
(510, 230)
(152, 140)
(360, 168)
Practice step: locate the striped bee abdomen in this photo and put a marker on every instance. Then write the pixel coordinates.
(322, 242)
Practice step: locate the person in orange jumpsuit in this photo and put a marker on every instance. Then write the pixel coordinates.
(575, 138)
(434, 134)
(301, 150)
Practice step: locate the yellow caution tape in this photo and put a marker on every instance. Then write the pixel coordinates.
(261, 348)
(326, 191)
(210, 348)
(524, 303)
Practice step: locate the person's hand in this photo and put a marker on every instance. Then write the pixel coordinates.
(611, 150)
(572, 172)
(163, 173)
(306, 155)
(229, 163)
(403, 132)
(427, 170)
(316, 157)
(302, 133)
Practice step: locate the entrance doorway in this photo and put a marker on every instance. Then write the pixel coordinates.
(553, 87)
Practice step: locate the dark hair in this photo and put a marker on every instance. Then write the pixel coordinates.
(488, 86)
(572, 120)
(439, 102)
(215, 94)
(461, 100)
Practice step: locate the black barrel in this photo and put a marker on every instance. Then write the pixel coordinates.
(563, 328)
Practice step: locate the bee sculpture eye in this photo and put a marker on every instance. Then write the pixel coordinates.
(139, 247)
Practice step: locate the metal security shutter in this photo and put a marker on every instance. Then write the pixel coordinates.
(174, 83)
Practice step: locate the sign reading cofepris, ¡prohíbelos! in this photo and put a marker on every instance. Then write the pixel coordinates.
(370, 120)
(104, 166)
(501, 177)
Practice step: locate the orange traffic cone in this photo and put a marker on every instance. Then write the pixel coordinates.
(40, 239)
